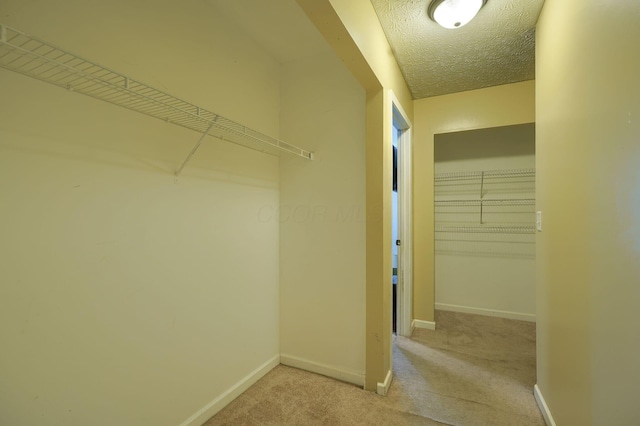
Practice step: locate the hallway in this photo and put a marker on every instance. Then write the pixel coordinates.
(472, 371)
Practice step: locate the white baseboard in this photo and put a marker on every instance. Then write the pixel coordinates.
(544, 409)
(487, 312)
(429, 325)
(206, 412)
(383, 388)
(326, 370)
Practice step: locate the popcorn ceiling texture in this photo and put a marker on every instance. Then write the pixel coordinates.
(496, 47)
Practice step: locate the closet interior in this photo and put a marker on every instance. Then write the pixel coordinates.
(484, 207)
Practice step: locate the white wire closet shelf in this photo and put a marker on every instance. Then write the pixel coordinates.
(490, 202)
(489, 174)
(35, 58)
(480, 229)
(486, 202)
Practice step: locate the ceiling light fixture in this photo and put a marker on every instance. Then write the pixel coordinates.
(454, 13)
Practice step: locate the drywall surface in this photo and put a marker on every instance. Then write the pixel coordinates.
(353, 30)
(360, 19)
(588, 253)
(128, 298)
(477, 109)
(322, 220)
(489, 273)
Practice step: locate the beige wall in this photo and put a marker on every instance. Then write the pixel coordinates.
(361, 21)
(125, 297)
(322, 220)
(352, 29)
(491, 107)
(490, 273)
(588, 151)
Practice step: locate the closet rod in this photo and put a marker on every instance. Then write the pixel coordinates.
(27, 55)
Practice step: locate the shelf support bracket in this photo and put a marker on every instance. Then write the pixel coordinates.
(195, 148)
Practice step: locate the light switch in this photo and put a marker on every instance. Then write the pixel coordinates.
(539, 221)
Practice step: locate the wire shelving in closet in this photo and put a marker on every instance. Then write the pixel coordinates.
(35, 58)
(492, 202)
(485, 213)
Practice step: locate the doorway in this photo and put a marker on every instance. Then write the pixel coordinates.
(401, 226)
(395, 241)
(484, 205)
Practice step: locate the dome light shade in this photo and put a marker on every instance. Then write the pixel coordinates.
(454, 13)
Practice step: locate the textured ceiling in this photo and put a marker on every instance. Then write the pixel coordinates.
(496, 47)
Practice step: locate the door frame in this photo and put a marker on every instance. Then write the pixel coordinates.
(404, 302)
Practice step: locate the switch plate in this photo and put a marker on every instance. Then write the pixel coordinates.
(539, 221)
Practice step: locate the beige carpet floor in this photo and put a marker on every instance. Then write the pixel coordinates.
(472, 371)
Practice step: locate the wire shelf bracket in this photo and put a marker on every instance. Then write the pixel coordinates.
(27, 55)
